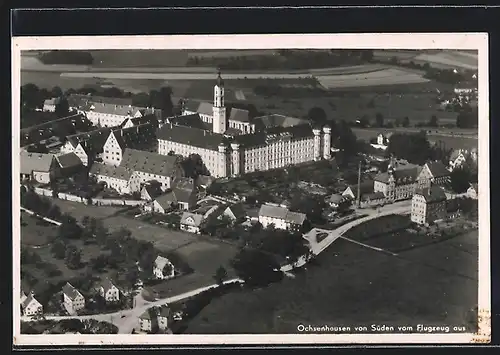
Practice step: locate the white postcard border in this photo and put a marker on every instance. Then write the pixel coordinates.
(473, 41)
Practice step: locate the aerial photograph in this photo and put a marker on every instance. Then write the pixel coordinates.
(253, 191)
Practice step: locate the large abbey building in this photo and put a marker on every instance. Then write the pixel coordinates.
(233, 143)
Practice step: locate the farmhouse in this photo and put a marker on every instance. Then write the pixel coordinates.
(428, 205)
(191, 222)
(281, 141)
(42, 168)
(280, 217)
(30, 306)
(139, 137)
(109, 291)
(72, 298)
(472, 191)
(49, 105)
(163, 268)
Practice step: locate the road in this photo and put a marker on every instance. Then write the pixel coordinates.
(127, 320)
(316, 247)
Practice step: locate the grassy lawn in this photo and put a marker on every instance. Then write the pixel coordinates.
(353, 285)
(35, 231)
(80, 210)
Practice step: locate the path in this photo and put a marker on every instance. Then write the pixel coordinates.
(316, 248)
(127, 320)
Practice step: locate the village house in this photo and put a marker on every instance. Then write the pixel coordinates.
(30, 306)
(191, 222)
(42, 168)
(337, 200)
(109, 291)
(235, 212)
(459, 156)
(383, 139)
(151, 190)
(433, 173)
(149, 166)
(163, 269)
(428, 205)
(69, 164)
(156, 319)
(280, 217)
(49, 105)
(87, 146)
(114, 177)
(473, 192)
(182, 195)
(139, 137)
(73, 300)
(368, 197)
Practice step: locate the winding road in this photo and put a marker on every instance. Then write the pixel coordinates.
(127, 320)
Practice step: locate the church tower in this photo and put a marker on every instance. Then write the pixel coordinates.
(391, 182)
(219, 110)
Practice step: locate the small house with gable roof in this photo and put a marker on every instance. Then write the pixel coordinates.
(163, 269)
(72, 298)
(109, 291)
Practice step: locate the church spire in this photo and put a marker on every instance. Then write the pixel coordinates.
(220, 82)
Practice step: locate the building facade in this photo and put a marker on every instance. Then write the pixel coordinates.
(281, 141)
(280, 217)
(73, 300)
(428, 205)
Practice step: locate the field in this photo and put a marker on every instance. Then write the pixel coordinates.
(386, 76)
(139, 58)
(203, 255)
(35, 231)
(449, 60)
(230, 53)
(353, 285)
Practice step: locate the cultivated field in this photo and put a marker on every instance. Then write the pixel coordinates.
(389, 76)
(354, 285)
(449, 60)
(230, 53)
(139, 58)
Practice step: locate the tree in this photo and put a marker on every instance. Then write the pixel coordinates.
(345, 139)
(413, 147)
(433, 122)
(69, 228)
(73, 257)
(62, 107)
(364, 121)
(460, 179)
(220, 275)
(367, 55)
(317, 115)
(467, 119)
(379, 119)
(406, 122)
(56, 92)
(58, 249)
(256, 267)
(398, 122)
(31, 97)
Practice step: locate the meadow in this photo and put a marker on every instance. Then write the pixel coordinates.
(352, 285)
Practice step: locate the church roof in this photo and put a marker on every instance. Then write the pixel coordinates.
(240, 115)
(196, 137)
(203, 107)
